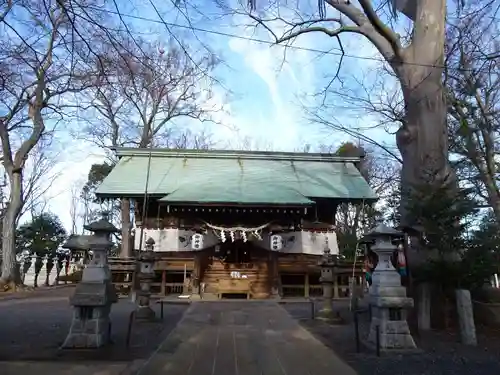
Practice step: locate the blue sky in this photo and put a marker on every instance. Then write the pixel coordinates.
(264, 103)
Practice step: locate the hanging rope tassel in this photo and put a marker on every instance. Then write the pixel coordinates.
(401, 262)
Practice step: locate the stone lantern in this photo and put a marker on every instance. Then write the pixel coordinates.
(78, 244)
(329, 265)
(94, 295)
(146, 276)
(387, 296)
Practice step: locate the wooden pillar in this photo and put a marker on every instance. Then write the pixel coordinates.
(125, 251)
(306, 285)
(276, 282)
(197, 272)
(163, 282)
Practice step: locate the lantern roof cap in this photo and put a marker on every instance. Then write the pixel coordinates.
(77, 242)
(381, 230)
(102, 225)
(150, 241)
(412, 230)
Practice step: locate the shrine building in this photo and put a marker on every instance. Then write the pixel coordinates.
(234, 224)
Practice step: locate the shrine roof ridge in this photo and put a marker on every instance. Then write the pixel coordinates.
(236, 177)
(235, 154)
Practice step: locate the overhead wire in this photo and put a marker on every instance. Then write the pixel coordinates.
(170, 25)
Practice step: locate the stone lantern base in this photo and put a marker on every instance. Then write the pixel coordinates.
(91, 325)
(144, 310)
(145, 313)
(390, 316)
(329, 316)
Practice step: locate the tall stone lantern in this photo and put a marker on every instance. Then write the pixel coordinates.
(146, 276)
(94, 295)
(329, 265)
(387, 296)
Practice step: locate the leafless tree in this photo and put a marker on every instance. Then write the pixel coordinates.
(75, 206)
(44, 64)
(145, 91)
(382, 174)
(417, 62)
(40, 175)
(370, 97)
(247, 143)
(141, 97)
(473, 82)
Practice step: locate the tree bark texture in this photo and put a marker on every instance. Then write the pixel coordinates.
(422, 140)
(9, 269)
(419, 68)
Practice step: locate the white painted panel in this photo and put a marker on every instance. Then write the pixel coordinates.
(304, 242)
(168, 239)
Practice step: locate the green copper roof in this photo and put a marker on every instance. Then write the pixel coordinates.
(234, 177)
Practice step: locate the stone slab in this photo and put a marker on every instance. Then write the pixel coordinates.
(258, 338)
(55, 368)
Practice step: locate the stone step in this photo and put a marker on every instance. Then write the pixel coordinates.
(209, 296)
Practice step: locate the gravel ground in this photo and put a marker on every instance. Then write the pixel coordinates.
(33, 328)
(441, 353)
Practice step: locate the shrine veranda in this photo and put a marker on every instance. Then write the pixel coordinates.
(232, 223)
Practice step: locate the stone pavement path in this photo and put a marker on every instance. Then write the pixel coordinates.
(242, 338)
(50, 368)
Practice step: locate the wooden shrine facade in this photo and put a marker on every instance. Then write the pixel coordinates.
(232, 224)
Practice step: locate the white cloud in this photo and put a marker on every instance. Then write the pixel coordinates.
(73, 170)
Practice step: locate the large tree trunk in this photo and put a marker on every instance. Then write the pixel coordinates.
(492, 191)
(9, 268)
(496, 208)
(422, 140)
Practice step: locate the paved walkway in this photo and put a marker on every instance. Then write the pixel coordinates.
(242, 338)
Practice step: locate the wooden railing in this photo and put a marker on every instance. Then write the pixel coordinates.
(313, 291)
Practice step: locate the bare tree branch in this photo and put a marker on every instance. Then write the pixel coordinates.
(44, 65)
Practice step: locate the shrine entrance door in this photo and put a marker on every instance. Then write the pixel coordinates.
(236, 253)
(238, 270)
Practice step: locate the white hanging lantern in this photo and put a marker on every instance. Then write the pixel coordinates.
(276, 242)
(197, 241)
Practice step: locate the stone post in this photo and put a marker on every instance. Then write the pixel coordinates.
(328, 266)
(424, 306)
(146, 276)
(94, 295)
(466, 317)
(387, 296)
